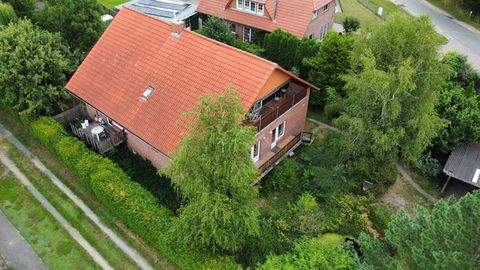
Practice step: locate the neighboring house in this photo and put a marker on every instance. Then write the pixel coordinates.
(176, 11)
(144, 74)
(252, 18)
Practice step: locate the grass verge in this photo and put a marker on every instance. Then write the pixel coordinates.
(13, 123)
(111, 3)
(69, 210)
(352, 8)
(456, 11)
(52, 243)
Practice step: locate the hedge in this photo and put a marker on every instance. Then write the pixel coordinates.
(136, 207)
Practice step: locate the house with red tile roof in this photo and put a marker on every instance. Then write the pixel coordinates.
(252, 18)
(144, 74)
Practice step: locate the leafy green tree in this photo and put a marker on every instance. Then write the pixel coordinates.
(33, 68)
(7, 14)
(23, 8)
(314, 253)
(461, 108)
(351, 24)
(446, 236)
(218, 29)
(392, 90)
(329, 65)
(288, 51)
(78, 21)
(213, 171)
(279, 46)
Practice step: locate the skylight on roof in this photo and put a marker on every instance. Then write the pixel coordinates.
(147, 92)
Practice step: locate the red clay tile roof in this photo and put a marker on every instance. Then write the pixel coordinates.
(292, 16)
(137, 51)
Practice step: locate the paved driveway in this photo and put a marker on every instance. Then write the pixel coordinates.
(15, 249)
(462, 37)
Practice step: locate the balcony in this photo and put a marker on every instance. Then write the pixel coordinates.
(100, 136)
(278, 104)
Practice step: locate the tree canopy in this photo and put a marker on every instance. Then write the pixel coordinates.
(33, 68)
(330, 63)
(392, 90)
(313, 253)
(7, 14)
(23, 8)
(78, 21)
(218, 29)
(446, 236)
(213, 170)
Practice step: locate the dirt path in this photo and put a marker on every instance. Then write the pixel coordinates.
(406, 176)
(49, 207)
(401, 169)
(122, 245)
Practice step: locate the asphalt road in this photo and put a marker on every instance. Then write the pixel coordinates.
(15, 249)
(462, 37)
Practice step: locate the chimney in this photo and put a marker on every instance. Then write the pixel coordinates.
(176, 29)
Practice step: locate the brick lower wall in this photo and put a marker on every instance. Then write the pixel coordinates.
(137, 145)
(294, 124)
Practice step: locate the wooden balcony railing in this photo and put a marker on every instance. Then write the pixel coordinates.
(275, 108)
(280, 153)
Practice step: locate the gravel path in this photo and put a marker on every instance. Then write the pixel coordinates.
(49, 207)
(16, 251)
(133, 254)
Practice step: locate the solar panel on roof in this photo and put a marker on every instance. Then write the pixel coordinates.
(165, 5)
(153, 11)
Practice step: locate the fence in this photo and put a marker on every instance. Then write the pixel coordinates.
(376, 9)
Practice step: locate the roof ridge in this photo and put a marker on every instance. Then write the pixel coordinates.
(207, 38)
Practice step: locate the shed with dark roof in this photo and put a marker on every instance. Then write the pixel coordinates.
(464, 164)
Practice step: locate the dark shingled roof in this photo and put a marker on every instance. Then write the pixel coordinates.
(463, 162)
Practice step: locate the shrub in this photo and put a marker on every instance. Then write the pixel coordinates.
(137, 208)
(351, 24)
(380, 215)
(429, 165)
(285, 176)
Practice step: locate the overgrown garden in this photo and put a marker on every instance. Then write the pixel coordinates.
(386, 89)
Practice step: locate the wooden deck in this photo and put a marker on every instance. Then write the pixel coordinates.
(110, 138)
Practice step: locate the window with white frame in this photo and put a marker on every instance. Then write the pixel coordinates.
(324, 30)
(277, 133)
(255, 152)
(247, 34)
(315, 14)
(325, 8)
(251, 6)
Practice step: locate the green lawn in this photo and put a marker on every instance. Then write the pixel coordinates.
(112, 3)
(352, 8)
(70, 211)
(13, 123)
(51, 242)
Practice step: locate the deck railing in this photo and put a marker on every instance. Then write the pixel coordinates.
(103, 145)
(295, 142)
(275, 108)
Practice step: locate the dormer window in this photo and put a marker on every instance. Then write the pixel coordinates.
(251, 6)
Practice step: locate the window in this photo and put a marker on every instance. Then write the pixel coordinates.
(147, 92)
(239, 4)
(255, 152)
(324, 30)
(246, 5)
(277, 133)
(260, 9)
(315, 14)
(247, 34)
(325, 8)
(251, 6)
